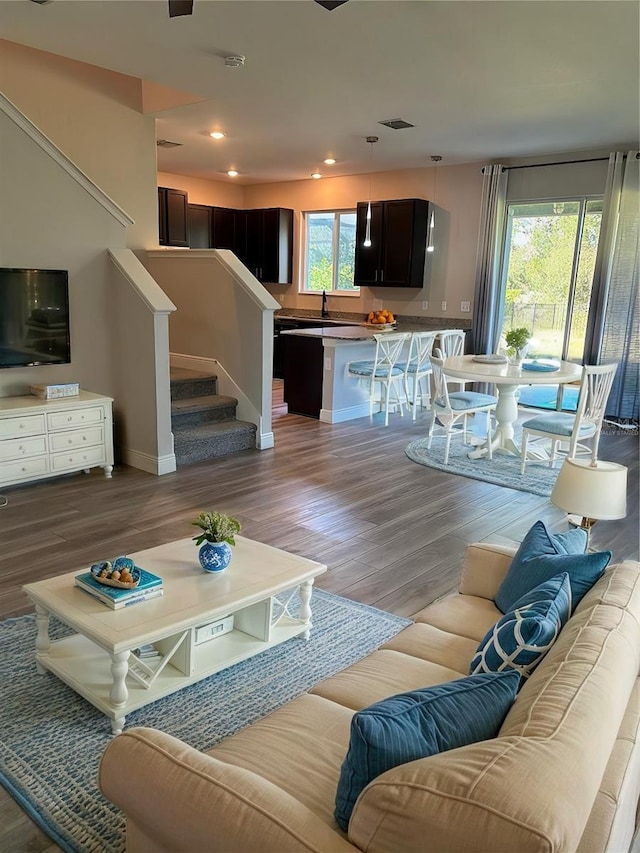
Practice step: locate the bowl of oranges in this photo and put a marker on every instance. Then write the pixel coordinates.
(383, 319)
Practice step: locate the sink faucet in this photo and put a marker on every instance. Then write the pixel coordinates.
(324, 312)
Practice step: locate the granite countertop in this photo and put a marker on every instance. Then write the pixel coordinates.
(405, 323)
(353, 333)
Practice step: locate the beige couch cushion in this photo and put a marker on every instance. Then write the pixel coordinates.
(465, 615)
(431, 644)
(300, 748)
(381, 674)
(619, 587)
(613, 817)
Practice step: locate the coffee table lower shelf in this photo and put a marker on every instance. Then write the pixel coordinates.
(106, 682)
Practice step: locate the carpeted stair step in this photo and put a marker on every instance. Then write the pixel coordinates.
(186, 384)
(212, 440)
(194, 411)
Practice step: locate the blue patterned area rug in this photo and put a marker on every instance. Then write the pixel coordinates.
(503, 469)
(51, 739)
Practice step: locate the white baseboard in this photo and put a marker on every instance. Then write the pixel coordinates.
(151, 464)
(337, 416)
(265, 441)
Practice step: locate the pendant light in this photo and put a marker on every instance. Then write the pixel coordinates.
(432, 221)
(367, 232)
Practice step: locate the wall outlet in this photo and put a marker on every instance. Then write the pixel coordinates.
(376, 305)
(444, 306)
(425, 305)
(327, 364)
(281, 298)
(465, 307)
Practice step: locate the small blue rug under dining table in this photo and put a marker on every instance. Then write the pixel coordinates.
(51, 739)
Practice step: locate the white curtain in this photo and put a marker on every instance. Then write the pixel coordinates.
(487, 306)
(615, 306)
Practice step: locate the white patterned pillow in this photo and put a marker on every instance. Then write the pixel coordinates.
(523, 636)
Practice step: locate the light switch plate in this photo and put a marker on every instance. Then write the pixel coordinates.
(444, 306)
(465, 307)
(425, 305)
(377, 305)
(327, 364)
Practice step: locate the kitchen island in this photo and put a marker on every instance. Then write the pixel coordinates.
(316, 377)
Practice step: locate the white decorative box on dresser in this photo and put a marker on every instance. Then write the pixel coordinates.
(43, 438)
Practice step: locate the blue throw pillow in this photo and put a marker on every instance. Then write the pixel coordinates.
(523, 636)
(543, 555)
(423, 722)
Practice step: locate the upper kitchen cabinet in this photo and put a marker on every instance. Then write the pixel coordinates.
(396, 256)
(200, 226)
(173, 226)
(264, 243)
(224, 229)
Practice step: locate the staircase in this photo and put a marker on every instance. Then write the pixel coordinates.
(204, 422)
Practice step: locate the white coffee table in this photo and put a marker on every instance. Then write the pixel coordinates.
(97, 661)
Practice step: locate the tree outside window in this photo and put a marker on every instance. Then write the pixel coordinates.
(330, 251)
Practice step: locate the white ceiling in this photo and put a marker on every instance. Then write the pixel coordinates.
(479, 80)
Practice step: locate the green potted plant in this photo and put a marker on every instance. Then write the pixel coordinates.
(517, 344)
(218, 533)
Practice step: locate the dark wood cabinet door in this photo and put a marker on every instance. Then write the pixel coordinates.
(397, 243)
(162, 216)
(240, 235)
(253, 260)
(200, 219)
(177, 228)
(224, 228)
(277, 246)
(367, 261)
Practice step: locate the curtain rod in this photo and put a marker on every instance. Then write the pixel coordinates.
(558, 163)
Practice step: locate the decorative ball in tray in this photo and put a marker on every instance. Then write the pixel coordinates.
(121, 573)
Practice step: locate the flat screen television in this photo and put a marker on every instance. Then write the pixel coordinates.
(34, 317)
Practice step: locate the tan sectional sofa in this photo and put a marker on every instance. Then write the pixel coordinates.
(563, 774)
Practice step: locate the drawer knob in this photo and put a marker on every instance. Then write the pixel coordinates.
(69, 441)
(21, 426)
(69, 418)
(84, 437)
(23, 468)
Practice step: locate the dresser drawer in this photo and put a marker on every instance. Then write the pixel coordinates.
(79, 417)
(16, 448)
(75, 459)
(24, 469)
(26, 425)
(76, 438)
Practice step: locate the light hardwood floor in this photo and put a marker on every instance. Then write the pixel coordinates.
(391, 532)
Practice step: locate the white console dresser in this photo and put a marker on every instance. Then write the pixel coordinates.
(43, 438)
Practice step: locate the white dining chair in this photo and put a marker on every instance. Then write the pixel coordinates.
(382, 375)
(585, 424)
(417, 370)
(449, 408)
(451, 344)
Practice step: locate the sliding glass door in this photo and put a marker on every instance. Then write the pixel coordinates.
(549, 261)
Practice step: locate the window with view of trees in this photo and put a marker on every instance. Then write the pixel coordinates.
(330, 249)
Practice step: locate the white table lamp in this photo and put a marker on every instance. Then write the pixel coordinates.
(594, 492)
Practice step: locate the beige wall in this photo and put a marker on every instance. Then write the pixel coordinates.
(204, 191)
(451, 273)
(94, 116)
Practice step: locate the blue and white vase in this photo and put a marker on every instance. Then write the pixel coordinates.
(214, 556)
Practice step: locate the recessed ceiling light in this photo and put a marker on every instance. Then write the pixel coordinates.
(316, 175)
(217, 134)
(232, 173)
(330, 161)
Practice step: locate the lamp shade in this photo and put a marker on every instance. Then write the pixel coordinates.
(594, 491)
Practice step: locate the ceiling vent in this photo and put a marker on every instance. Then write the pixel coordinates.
(396, 123)
(166, 143)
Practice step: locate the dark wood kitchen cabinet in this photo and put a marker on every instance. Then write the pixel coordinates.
(264, 243)
(224, 228)
(173, 226)
(396, 257)
(200, 226)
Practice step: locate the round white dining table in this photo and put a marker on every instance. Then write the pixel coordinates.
(507, 378)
